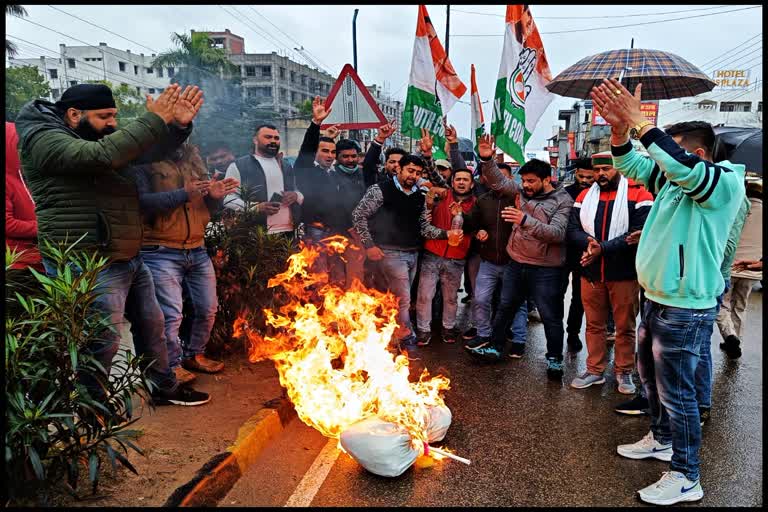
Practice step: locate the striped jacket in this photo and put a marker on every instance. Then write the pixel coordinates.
(617, 261)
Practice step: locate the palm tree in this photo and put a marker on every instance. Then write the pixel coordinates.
(196, 57)
(15, 10)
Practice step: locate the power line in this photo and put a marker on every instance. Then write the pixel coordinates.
(101, 70)
(323, 65)
(721, 97)
(253, 26)
(595, 17)
(98, 47)
(734, 48)
(724, 62)
(104, 29)
(615, 26)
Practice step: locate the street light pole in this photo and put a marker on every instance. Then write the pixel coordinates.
(447, 28)
(354, 39)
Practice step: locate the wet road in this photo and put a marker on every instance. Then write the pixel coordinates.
(532, 442)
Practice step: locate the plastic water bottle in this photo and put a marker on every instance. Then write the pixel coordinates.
(456, 224)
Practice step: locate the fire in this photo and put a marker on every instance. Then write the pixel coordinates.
(331, 350)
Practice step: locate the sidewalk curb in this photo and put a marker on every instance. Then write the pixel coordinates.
(217, 476)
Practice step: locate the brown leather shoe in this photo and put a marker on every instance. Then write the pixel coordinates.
(200, 363)
(183, 376)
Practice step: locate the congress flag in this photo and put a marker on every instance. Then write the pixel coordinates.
(433, 86)
(521, 96)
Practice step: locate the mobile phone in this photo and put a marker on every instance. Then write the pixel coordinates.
(276, 198)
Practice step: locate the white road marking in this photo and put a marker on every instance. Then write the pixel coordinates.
(313, 479)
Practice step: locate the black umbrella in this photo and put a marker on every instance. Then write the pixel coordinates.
(741, 146)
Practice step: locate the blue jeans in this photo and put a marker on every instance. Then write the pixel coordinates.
(488, 277)
(176, 271)
(126, 291)
(399, 269)
(448, 272)
(704, 368)
(669, 343)
(544, 285)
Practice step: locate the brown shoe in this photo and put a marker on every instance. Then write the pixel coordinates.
(183, 376)
(200, 363)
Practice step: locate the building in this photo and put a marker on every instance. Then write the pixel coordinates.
(80, 64)
(275, 81)
(392, 110)
(720, 107)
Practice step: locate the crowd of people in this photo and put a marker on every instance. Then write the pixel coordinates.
(671, 236)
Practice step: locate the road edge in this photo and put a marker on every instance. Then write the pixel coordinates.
(217, 476)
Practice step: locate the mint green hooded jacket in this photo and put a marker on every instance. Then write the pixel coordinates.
(683, 242)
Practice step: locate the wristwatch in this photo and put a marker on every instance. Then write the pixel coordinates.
(635, 131)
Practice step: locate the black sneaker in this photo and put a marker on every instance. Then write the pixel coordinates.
(516, 350)
(574, 344)
(183, 395)
(477, 342)
(470, 333)
(554, 368)
(732, 347)
(423, 338)
(703, 415)
(466, 299)
(636, 406)
(451, 335)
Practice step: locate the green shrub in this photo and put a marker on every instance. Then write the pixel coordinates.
(245, 258)
(54, 427)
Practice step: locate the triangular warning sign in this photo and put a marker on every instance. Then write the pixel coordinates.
(353, 107)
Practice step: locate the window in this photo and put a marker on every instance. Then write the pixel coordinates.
(293, 77)
(282, 73)
(53, 73)
(736, 106)
(260, 93)
(71, 63)
(283, 94)
(294, 97)
(160, 91)
(304, 80)
(759, 106)
(138, 90)
(250, 70)
(171, 72)
(151, 90)
(121, 66)
(72, 83)
(149, 71)
(135, 70)
(55, 93)
(160, 72)
(266, 71)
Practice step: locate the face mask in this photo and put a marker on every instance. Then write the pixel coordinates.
(346, 170)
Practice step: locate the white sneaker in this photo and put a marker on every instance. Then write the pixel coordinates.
(673, 487)
(646, 448)
(626, 386)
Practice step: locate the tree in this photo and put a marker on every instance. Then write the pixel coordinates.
(23, 84)
(14, 10)
(196, 58)
(130, 104)
(305, 108)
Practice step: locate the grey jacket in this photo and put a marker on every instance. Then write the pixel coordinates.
(540, 239)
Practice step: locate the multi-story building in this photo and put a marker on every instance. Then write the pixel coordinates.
(723, 107)
(79, 64)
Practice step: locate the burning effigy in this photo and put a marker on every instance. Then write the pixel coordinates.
(331, 348)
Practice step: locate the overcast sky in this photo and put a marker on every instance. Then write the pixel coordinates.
(385, 37)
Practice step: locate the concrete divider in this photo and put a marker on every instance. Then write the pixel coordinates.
(217, 476)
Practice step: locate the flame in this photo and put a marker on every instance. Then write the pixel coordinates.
(331, 349)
